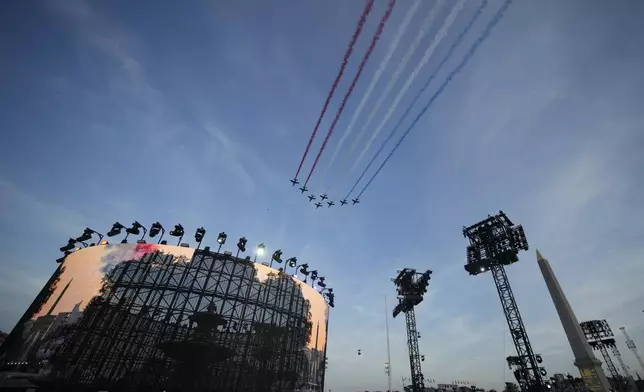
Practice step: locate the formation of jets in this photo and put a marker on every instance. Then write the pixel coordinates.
(323, 197)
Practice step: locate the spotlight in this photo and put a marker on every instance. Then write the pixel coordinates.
(260, 249)
(314, 277)
(177, 232)
(86, 236)
(199, 235)
(155, 229)
(241, 244)
(292, 262)
(61, 259)
(277, 257)
(304, 269)
(330, 298)
(70, 245)
(221, 239)
(116, 229)
(135, 229)
(321, 282)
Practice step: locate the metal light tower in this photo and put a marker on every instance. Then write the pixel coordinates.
(495, 243)
(411, 288)
(631, 345)
(600, 337)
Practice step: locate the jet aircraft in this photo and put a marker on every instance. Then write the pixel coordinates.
(330, 203)
(355, 201)
(318, 205)
(303, 189)
(343, 202)
(324, 197)
(294, 181)
(311, 198)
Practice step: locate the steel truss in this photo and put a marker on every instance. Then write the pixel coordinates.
(417, 378)
(528, 370)
(600, 337)
(146, 303)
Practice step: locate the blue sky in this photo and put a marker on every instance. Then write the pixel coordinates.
(198, 112)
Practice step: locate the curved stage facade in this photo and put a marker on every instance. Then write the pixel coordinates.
(147, 316)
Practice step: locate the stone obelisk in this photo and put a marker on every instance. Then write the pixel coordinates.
(589, 366)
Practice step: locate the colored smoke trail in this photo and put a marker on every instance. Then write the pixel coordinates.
(424, 29)
(363, 18)
(450, 77)
(376, 77)
(455, 45)
(438, 38)
(374, 41)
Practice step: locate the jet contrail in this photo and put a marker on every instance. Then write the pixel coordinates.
(424, 29)
(361, 22)
(438, 38)
(457, 42)
(347, 95)
(376, 77)
(486, 33)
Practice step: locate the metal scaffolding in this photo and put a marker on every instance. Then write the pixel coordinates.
(149, 325)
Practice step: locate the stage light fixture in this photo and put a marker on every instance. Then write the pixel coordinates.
(292, 262)
(61, 259)
(199, 234)
(70, 245)
(241, 244)
(115, 230)
(304, 269)
(135, 229)
(221, 239)
(321, 282)
(314, 277)
(177, 232)
(277, 257)
(260, 250)
(155, 229)
(86, 236)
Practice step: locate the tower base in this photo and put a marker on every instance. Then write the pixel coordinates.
(591, 372)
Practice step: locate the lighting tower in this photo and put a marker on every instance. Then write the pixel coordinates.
(631, 345)
(495, 243)
(411, 288)
(600, 337)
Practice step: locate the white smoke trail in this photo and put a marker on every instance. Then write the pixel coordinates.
(438, 38)
(376, 77)
(424, 29)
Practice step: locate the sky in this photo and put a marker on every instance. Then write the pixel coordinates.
(199, 111)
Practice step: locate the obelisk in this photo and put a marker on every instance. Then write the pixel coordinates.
(589, 366)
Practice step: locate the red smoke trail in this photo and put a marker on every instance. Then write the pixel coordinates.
(363, 18)
(374, 40)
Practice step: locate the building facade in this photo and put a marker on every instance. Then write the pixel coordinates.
(139, 316)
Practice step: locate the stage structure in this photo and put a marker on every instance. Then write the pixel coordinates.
(495, 243)
(600, 337)
(631, 346)
(138, 316)
(411, 288)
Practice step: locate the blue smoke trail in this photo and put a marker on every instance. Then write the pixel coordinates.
(455, 45)
(450, 77)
